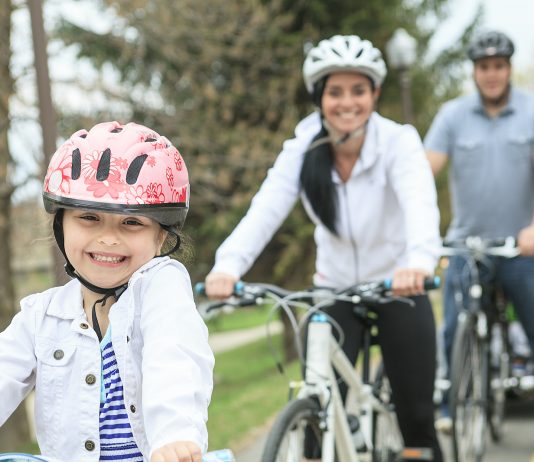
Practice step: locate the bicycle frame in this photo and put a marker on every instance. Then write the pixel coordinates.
(325, 355)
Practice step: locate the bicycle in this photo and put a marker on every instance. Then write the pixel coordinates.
(366, 428)
(222, 455)
(480, 365)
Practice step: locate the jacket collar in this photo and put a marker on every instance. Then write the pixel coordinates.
(371, 149)
(66, 302)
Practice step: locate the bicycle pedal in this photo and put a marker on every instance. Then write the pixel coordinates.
(417, 454)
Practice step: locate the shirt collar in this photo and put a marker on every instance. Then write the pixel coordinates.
(510, 108)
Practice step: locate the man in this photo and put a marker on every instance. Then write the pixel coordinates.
(489, 139)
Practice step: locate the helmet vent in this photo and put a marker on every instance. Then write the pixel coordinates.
(102, 172)
(116, 130)
(135, 168)
(76, 164)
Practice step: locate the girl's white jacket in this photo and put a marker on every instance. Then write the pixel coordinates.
(162, 353)
(388, 215)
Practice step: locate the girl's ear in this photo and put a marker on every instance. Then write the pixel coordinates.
(161, 239)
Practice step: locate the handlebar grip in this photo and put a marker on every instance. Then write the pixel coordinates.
(429, 283)
(200, 288)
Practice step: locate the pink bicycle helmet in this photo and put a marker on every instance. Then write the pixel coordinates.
(126, 169)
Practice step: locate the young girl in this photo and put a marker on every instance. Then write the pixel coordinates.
(118, 356)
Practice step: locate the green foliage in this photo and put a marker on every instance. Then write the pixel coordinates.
(222, 80)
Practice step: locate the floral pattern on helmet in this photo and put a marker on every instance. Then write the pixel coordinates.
(119, 165)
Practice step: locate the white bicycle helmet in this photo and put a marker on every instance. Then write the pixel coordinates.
(343, 53)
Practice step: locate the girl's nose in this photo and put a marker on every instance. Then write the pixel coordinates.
(108, 240)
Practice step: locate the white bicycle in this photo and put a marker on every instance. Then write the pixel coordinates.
(365, 429)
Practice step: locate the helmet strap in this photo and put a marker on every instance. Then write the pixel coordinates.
(338, 140)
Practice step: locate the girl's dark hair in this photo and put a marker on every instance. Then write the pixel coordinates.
(316, 181)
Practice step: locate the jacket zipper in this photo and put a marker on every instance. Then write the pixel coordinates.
(351, 236)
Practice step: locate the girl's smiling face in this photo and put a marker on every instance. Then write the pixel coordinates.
(348, 101)
(105, 248)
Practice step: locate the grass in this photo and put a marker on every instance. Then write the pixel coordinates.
(240, 318)
(248, 391)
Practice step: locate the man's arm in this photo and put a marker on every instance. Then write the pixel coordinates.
(437, 161)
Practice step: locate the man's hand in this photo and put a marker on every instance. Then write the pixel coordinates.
(179, 451)
(220, 285)
(409, 281)
(525, 241)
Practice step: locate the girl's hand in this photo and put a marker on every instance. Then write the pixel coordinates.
(220, 285)
(178, 451)
(525, 241)
(409, 281)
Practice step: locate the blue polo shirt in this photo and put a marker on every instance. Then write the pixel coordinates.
(491, 164)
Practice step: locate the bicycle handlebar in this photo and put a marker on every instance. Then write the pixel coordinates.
(248, 294)
(221, 455)
(478, 246)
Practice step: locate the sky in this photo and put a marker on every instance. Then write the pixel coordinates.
(513, 17)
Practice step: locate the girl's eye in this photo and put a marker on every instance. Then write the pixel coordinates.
(132, 222)
(89, 217)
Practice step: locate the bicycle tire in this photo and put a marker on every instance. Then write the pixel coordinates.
(285, 441)
(500, 367)
(468, 395)
(386, 437)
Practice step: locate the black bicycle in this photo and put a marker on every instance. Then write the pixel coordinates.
(480, 364)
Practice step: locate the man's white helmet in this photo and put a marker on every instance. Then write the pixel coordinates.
(343, 53)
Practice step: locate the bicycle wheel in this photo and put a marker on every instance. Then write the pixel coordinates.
(286, 440)
(500, 365)
(386, 437)
(468, 395)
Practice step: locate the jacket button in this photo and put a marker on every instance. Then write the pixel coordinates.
(58, 354)
(90, 445)
(84, 325)
(132, 408)
(90, 379)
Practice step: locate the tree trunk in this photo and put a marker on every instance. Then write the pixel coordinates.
(15, 432)
(47, 112)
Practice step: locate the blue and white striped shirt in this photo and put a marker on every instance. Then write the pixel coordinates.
(116, 437)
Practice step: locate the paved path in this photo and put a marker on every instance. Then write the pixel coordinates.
(224, 341)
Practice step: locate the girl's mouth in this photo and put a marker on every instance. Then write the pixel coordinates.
(107, 258)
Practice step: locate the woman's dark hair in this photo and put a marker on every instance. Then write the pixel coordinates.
(316, 181)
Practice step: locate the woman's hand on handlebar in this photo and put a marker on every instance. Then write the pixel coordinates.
(409, 281)
(220, 285)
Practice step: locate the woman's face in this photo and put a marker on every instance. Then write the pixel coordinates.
(348, 101)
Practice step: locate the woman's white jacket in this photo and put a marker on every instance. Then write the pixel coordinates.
(162, 353)
(387, 210)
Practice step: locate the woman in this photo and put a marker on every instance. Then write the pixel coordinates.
(365, 183)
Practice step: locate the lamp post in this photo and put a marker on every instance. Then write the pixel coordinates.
(401, 54)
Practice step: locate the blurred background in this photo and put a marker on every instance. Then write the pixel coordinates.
(222, 80)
